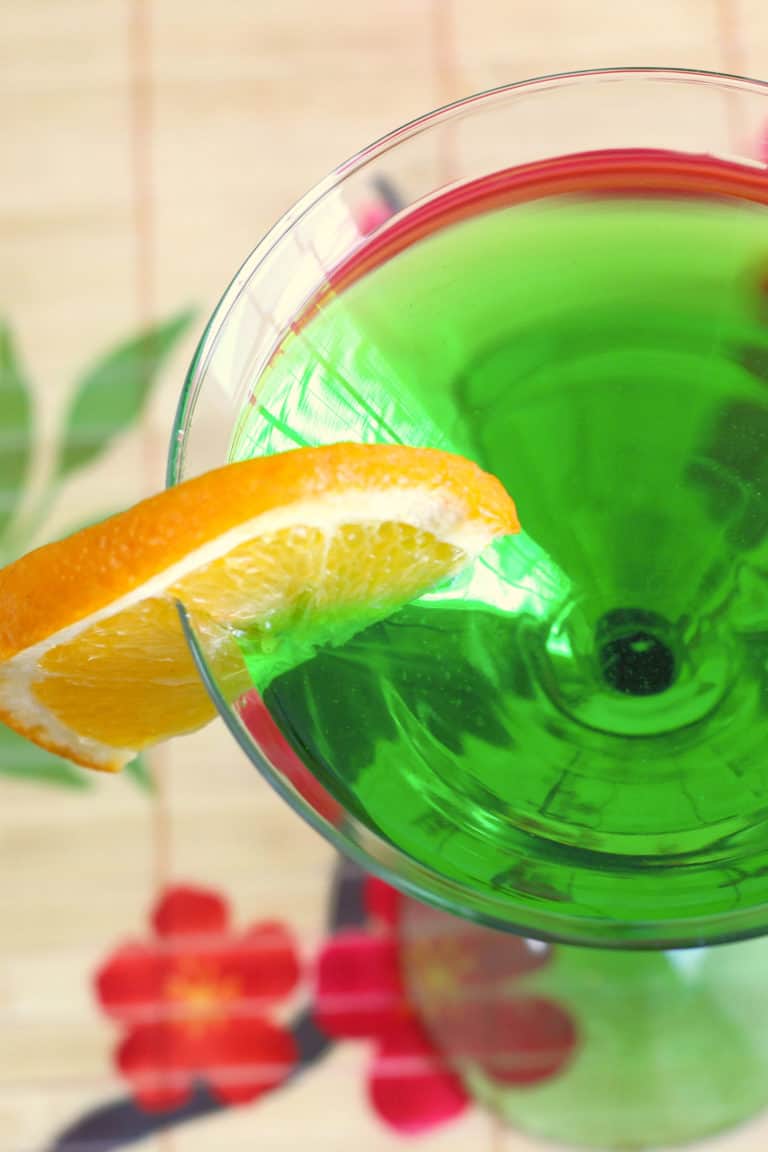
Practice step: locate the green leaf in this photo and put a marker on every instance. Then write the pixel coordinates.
(140, 774)
(111, 396)
(15, 427)
(25, 761)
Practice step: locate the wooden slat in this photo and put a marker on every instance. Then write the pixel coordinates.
(246, 109)
(501, 42)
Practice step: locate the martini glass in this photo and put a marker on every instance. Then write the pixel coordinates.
(566, 280)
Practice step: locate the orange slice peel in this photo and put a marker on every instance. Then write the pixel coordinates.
(93, 661)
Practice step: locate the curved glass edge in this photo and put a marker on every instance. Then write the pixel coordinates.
(254, 260)
(353, 839)
(377, 856)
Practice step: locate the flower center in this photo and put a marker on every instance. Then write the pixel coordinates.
(442, 965)
(203, 995)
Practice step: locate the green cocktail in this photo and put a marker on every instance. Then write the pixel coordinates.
(569, 739)
(583, 711)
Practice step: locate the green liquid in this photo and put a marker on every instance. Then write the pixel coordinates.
(577, 726)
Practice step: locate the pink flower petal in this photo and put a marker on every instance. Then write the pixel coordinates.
(410, 1087)
(130, 984)
(358, 988)
(152, 1058)
(187, 911)
(372, 217)
(249, 1057)
(481, 955)
(515, 1041)
(265, 962)
(382, 901)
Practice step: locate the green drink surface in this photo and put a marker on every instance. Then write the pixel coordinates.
(573, 731)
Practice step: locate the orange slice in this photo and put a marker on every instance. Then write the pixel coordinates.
(93, 661)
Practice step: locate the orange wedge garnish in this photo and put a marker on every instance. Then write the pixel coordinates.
(93, 660)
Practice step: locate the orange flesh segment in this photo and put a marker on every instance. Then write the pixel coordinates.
(125, 679)
(97, 684)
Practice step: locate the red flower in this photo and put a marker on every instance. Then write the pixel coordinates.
(464, 976)
(193, 999)
(372, 216)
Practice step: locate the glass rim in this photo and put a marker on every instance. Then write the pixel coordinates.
(283, 225)
(371, 851)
